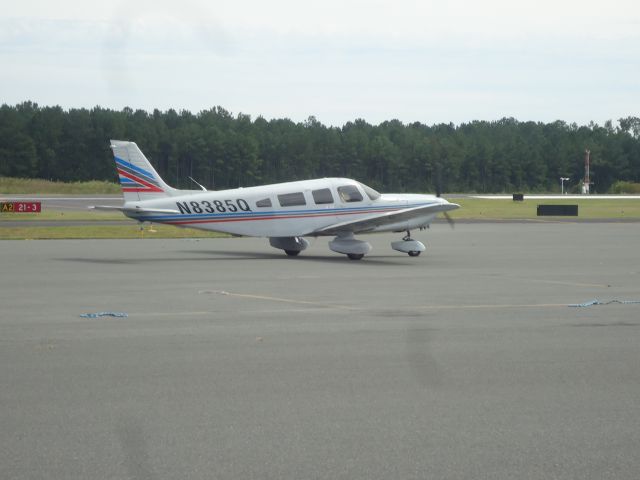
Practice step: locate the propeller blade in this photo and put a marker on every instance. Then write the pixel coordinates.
(450, 220)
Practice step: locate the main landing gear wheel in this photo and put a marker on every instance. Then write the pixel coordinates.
(292, 246)
(413, 253)
(347, 245)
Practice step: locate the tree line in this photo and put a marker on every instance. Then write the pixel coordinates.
(222, 150)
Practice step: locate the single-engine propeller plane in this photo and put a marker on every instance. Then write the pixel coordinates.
(283, 212)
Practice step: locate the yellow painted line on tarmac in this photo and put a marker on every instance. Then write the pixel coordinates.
(425, 307)
(572, 284)
(286, 300)
(555, 282)
(170, 314)
(323, 305)
(490, 306)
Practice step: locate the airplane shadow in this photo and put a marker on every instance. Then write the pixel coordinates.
(223, 256)
(338, 259)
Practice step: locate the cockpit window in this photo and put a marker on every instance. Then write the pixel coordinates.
(349, 193)
(371, 193)
(264, 203)
(322, 196)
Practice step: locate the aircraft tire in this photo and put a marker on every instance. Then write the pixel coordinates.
(414, 253)
(292, 253)
(355, 256)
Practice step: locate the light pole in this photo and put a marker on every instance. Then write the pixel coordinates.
(562, 180)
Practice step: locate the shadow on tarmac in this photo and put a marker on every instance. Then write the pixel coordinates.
(213, 255)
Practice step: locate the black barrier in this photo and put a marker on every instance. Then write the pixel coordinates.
(518, 197)
(558, 210)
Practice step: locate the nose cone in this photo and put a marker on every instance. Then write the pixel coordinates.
(447, 206)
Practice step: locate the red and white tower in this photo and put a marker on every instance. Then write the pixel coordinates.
(587, 181)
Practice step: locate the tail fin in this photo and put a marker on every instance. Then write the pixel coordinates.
(138, 179)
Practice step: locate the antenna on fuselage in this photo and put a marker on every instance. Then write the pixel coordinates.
(201, 187)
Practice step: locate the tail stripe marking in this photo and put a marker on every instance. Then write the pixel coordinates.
(136, 179)
(136, 184)
(133, 169)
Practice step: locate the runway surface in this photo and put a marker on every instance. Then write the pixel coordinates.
(238, 362)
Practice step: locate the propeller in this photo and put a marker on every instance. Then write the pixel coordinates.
(450, 220)
(439, 192)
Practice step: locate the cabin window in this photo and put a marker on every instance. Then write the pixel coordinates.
(349, 193)
(322, 196)
(266, 202)
(371, 193)
(292, 199)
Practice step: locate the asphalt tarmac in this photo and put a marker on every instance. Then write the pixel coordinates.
(237, 362)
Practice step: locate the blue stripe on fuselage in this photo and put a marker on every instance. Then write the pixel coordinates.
(280, 213)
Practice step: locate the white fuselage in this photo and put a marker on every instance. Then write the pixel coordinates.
(283, 210)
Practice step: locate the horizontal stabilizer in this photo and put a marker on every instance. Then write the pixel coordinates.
(135, 209)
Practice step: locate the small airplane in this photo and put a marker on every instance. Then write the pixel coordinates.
(283, 212)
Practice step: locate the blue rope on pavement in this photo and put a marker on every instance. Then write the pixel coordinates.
(103, 314)
(598, 302)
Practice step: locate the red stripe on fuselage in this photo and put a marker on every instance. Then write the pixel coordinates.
(272, 217)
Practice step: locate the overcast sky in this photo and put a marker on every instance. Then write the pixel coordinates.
(426, 61)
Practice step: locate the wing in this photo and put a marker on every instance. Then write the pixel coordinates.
(135, 209)
(377, 220)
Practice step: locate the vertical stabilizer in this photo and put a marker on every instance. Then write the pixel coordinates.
(138, 179)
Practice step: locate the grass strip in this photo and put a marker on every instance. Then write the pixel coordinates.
(103, 231)
(9, 185)
(490, 209)
(56, 215)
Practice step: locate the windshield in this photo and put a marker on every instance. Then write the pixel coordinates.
(371, 193)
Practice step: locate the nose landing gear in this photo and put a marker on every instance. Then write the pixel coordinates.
(409, 246)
